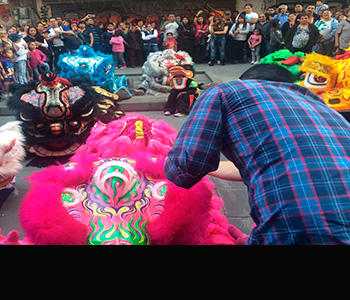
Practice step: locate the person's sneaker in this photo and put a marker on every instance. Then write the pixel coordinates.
(211, 63)
(256, 63)
(253, 62)
(123, 67)
(167, 113)
(179, 115)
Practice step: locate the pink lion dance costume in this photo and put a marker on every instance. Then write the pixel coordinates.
(114, 191)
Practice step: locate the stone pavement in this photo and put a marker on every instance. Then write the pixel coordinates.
(236, 207)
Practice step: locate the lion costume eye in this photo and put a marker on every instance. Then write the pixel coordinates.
(26, 117)
(88, 113)
(315, 81)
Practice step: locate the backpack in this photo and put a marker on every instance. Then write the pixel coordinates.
(71, 42)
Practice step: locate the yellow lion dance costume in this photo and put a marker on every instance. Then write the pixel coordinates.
(329, 79)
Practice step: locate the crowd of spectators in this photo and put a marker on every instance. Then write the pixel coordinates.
(235, 37)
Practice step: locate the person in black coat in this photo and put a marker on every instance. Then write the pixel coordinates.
(302, 37)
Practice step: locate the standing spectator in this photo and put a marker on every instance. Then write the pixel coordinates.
(8, 71)
(55, 37)
(200, 41)
(124, 28)
(239, 32)
(252, 19)
(298, 9)
(77, 33)
(283, 14)
(4, 37)
(288, 25)
(86, 34)
(342, 36)
(97, 33)
(250, 16)
(37, 61)
(264, 26)
(170, 42)
(48, 50)
(320, 4)
(310, 10)
(40, 26)
(254, 43)
(229, 41)
(327, 27)
(170, 26)
(186, 33)
(117, 42)
(135, 46)
(270, 13)
(149, 38)
(276, 37)
(21, 52)
(42, 45)
(302, 37)
(106, 38)
(218, 31)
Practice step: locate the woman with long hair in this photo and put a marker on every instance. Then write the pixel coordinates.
(239, 32)
(218, 31)
(276, 36)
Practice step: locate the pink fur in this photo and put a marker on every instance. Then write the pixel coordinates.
(46, 221)
(190, 217)
(43, 216)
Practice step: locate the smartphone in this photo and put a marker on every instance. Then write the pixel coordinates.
(92, 16)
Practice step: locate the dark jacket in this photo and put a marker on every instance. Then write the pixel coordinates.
(314, 35)
(134, 39)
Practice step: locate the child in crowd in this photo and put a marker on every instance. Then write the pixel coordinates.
(106, 38)
(21, 52)
(254, 43)
(170, 42)
(36, 60)
(117, 42)
(7, 74)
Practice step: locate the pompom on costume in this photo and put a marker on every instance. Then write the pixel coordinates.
(114, 192)
(57, 115)
(98, 67)
(12, 154)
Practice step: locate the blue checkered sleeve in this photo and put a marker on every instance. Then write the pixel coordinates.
(196, 151)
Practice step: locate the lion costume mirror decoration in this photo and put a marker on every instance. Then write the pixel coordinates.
(114, 192)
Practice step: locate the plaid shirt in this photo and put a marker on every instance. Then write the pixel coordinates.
(292, 150)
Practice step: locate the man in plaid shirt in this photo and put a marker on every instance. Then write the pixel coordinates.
(292, 151)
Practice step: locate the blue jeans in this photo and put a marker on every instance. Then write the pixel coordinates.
(149, 48)
(219, 42)
(21, 72)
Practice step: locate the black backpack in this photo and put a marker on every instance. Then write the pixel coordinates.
(71, 42)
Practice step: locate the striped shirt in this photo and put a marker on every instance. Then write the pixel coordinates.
(292, 150)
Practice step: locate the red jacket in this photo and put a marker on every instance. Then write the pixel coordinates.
(36, 59)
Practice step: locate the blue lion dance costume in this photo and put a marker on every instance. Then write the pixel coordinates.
(97, 66)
